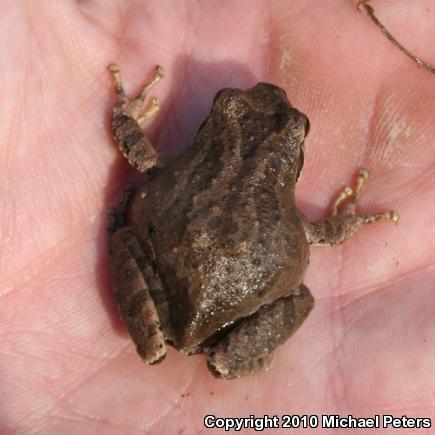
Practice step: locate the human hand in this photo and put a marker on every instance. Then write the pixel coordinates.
(67, 362)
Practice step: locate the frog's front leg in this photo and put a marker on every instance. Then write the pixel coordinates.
(128, 120)
(343, 221)
(249, 346)
(138, 291)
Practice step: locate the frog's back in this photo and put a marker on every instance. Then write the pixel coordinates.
(224, 232)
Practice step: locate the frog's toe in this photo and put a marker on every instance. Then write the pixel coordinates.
(224, 367)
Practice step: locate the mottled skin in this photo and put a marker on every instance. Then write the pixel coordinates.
(209, 255)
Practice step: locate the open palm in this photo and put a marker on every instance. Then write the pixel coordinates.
(67, 364)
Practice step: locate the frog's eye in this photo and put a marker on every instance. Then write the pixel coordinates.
(307, 125)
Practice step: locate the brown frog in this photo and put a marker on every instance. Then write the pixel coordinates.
(210, 254)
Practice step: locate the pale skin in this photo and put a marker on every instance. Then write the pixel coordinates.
(67, 361)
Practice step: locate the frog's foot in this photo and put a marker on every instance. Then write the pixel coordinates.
(248, 347)
(128, 120)
(139, 296)
(134, 108)
(343, 220)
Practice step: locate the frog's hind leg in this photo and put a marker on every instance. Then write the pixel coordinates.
(137, 288)
(128, 120)
(249, 346)
(343, 220)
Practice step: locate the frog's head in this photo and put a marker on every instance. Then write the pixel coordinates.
(266, 124)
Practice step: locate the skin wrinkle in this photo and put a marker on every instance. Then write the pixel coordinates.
(176, 402)
(339, 384)
(16, 351)
(398, 279)
(40, 426)
(345, 333)
(43, 255)
(121, 37)
(66, 395)
(10, 217)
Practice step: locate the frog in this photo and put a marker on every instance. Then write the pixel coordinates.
(208, 255)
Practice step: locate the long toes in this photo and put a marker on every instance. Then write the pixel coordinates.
(391, 216)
